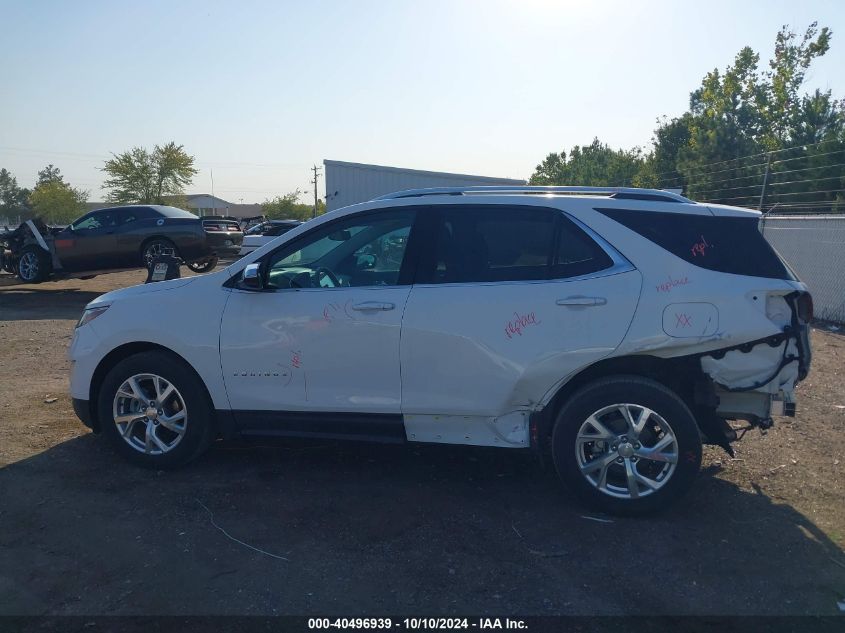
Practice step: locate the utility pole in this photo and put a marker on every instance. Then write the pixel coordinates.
(315, 169)
(765, 182)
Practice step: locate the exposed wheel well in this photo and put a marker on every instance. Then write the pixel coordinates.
(114, 357)
(681, 375)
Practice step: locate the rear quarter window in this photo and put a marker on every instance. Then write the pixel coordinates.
(723, 244)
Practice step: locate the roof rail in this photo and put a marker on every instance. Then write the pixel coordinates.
(622, 193)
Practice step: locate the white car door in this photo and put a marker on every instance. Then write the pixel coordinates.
(317, 350)
(511, 301)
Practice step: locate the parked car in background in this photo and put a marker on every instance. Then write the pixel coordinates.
(616, 329)
(120, 237)
(260, 234)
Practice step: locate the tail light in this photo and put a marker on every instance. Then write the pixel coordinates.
(805, 307)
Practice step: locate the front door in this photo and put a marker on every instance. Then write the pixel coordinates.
(317, 351)
(89, 243)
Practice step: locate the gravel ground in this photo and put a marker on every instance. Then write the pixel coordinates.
(349, 529)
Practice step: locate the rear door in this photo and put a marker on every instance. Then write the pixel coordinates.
(509, 302)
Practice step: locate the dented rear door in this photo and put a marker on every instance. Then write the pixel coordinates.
(482, 335)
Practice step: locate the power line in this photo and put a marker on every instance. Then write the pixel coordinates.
(782, 195)
(803, 146)
(699, 173)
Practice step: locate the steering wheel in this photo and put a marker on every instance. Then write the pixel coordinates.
(322, 271)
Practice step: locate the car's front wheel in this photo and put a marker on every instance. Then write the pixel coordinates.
(627, 445)
(34, 265)
(155, 410)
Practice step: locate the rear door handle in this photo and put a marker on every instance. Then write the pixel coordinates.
(372, 305)
(582, 301)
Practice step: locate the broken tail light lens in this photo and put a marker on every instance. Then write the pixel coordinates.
(805, 307)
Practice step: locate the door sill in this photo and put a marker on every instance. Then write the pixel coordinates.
(367, 427)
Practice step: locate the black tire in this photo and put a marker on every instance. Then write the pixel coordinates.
(205, 265)
(636, 391)
(155, 247)
(199, 427)
(33, 265)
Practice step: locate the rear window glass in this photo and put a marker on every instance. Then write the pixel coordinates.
(724, 244)
(173, 212)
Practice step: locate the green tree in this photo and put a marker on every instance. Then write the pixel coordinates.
(595, 165)
(58, 202)
(145, 177)
(50, 173)
(717, 150)
(14, 200)
(288, 207)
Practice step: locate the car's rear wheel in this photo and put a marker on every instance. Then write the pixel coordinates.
(155, 410)
(627, 445)
(33, 266)
(204, 265)
(156, 248)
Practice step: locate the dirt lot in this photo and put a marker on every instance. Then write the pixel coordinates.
(349, 528)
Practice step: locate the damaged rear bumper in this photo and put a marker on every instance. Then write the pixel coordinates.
(756, 380)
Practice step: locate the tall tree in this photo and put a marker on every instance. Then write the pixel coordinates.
(736, 117)
(56, 201)
(13, 199)
(145, 177)
(50, 173)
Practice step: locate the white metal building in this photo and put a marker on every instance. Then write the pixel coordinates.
(349, 183)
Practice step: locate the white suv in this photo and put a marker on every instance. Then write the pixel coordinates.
(617, 329)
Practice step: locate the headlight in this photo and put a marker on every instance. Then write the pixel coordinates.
(90, 314)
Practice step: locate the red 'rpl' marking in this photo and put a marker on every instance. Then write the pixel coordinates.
(700, 248)
(684, 320)
(296, 360)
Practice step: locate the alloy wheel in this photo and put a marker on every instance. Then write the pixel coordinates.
(156, 249)
(626, 451)
(28, 266)
(150, 414)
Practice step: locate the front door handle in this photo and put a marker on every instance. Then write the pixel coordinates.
(367, 306)
(582, 301)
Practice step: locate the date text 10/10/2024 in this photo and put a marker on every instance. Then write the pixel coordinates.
(417, 623)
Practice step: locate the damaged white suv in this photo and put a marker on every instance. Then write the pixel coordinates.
(617, 329)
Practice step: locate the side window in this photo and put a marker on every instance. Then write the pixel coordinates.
(365, 250)
(476, 244)
(87, 223)
(576, 252)
(274, 230)
(126, 216)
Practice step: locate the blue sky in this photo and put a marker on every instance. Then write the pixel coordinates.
(259, 91)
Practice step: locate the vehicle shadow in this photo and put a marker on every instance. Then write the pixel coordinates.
(345, 529)
(27, 303)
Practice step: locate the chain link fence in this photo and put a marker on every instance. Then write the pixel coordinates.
(814, 246)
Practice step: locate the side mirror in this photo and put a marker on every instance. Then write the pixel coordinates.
(251, 278)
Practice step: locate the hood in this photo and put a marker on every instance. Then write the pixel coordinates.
(133, 291)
